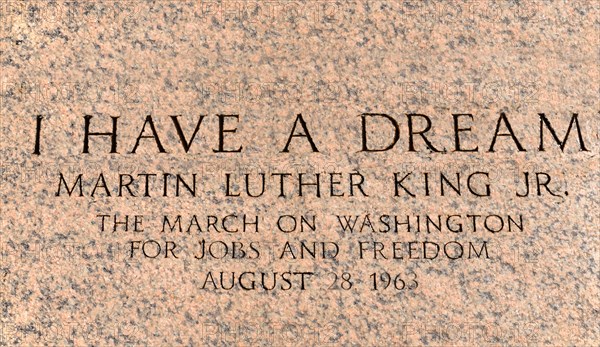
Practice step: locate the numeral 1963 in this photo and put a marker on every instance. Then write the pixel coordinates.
(385, 280)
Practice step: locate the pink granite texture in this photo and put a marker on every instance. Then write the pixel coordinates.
(65, 282)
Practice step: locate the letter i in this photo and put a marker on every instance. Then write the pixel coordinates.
(38, 130)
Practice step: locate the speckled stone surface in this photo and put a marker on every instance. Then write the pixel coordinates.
(64, 281)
